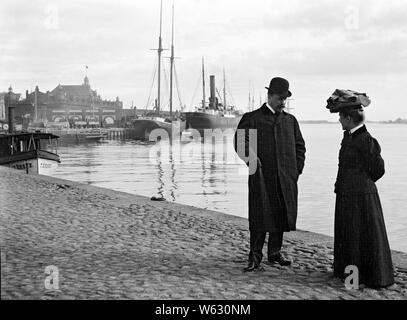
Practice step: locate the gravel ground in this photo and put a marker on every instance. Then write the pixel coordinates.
(112, 245)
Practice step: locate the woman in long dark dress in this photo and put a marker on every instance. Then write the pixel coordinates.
(360, 232)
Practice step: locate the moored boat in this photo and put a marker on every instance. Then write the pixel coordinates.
(75, 136)
(35, 153)
(81, 132)
(210, 119)
(212, 115)
(145, 125)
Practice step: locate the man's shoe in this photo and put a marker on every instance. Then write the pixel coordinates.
(279, 258)
(253, 268)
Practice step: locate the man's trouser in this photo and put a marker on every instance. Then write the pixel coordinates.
(257, 239)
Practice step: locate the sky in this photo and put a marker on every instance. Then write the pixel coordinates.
(318, 45)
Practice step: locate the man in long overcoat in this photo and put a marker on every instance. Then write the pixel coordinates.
(275, 160)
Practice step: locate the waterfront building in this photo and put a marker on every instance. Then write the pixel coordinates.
(69, 103)
(7, 99)
(3, 106)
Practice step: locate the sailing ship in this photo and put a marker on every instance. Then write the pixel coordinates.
(144, 125)
(29, 152)
(215, 114)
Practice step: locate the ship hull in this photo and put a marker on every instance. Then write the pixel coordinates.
(201, 121)
(76, 136)
(149, 129)
(32, 162)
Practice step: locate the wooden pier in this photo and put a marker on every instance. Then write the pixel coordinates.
(120, 133)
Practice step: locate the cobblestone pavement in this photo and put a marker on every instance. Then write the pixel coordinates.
(110, 245)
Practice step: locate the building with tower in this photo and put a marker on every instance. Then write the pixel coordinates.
(69, 103)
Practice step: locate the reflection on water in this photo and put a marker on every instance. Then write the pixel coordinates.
(210, 175)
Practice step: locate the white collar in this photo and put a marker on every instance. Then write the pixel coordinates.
(356, 128)
(268, 106)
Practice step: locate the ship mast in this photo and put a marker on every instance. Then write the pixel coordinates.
(203, 84)
(159, 50)
(224, 90)
(172, 59)
(250, 97)
(288, 108)
(36, 104)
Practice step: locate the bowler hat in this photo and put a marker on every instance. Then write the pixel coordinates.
(279, 86)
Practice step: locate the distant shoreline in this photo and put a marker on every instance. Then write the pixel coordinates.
(401, 121)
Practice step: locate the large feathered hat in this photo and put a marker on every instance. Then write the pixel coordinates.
(346, 99)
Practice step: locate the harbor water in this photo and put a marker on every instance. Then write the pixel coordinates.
(209, 175)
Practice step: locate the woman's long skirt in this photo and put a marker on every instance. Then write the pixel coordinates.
(361, 240)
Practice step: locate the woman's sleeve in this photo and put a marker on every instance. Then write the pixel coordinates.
(373, 159)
